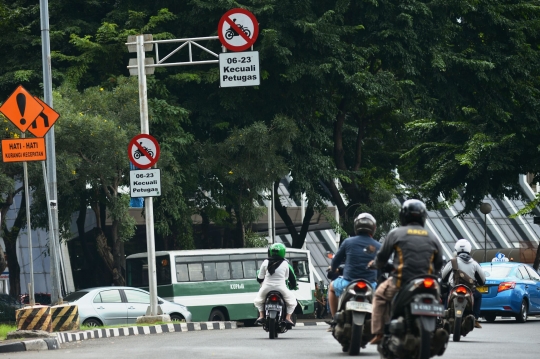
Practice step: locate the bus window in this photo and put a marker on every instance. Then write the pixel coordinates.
(301, 270)
(216, 258)
(242, 256)
(210, 271)
(223, 270)
(250, 271)
(189, 259)
(163, 272)
(195, 272)
(182, 273)
(237, 270)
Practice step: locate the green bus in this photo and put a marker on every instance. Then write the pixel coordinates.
(218, 284)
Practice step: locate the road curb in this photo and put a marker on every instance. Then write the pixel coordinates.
(310, 324)
(31, 345)
(143, 330)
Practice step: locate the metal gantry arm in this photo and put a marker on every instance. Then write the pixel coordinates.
(140, 67)
(183, 43)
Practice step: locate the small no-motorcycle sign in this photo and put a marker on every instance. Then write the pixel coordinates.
(143, 151)
(238, 29)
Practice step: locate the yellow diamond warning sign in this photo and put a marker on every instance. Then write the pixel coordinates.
(23, 149)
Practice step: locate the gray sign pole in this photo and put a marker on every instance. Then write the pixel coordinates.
(31, 298)
(148, 201)
(50, 174)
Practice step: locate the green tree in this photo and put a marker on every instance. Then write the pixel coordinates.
(11, 185)
(92, 136)
(477, 122)
(242, 167)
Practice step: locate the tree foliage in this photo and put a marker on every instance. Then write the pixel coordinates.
(444, 91)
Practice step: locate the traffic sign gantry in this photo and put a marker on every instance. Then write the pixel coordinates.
(143, 151)
(45, 120)
(238, 29)
(21, 108)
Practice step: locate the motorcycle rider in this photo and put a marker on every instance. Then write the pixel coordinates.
(470, 267)
(356, 259)
(416, 252)
(272, 274)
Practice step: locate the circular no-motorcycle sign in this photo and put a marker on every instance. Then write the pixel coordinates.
(238, 29)
(143, 151)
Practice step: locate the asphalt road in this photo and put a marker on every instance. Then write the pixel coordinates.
(502, 339)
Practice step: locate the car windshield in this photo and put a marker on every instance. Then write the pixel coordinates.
(496, 271)
(72, 297)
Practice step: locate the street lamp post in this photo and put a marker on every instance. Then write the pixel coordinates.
(485, 208)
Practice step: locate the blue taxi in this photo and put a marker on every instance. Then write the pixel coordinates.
(511, 290)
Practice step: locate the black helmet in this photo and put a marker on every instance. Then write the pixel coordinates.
(413, 210)
(365, 223)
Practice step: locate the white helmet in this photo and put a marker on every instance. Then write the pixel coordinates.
(463, 246)
(366, 223)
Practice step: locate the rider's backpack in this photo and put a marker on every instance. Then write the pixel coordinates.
(460, 277)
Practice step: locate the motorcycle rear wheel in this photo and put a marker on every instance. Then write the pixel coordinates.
(424, 351)
(272, 333)
(457, 329)
(356, 340)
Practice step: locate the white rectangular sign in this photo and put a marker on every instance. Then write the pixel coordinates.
(239, 69)
(145, 183)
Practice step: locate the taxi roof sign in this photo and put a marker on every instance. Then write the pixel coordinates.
(21, 108)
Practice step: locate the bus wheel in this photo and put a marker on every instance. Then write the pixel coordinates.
(217, 315)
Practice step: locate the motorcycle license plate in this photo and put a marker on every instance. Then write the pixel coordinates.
(434, 310)
(482, 289)
(362, 306)
(273, 307)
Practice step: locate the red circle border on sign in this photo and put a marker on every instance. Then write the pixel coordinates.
(252, 39)
(134, 142)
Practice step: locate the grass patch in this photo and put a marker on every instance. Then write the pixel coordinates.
(5, 329)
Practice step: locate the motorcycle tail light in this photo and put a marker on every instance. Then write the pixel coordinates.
(361, 285)
(461, 290)
(274, 298)
(429, 282)
(427, 300)
(506, 285)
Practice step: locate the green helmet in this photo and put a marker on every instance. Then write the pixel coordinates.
(277, 250)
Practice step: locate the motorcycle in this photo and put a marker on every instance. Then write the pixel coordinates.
(230, 32)
(459, 319)
(412, 330)
(275, 314)
(138, 153)
(353, 317)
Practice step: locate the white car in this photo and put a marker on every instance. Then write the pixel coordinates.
(119, 305)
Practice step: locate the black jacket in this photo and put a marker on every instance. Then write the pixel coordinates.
(416, 252)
